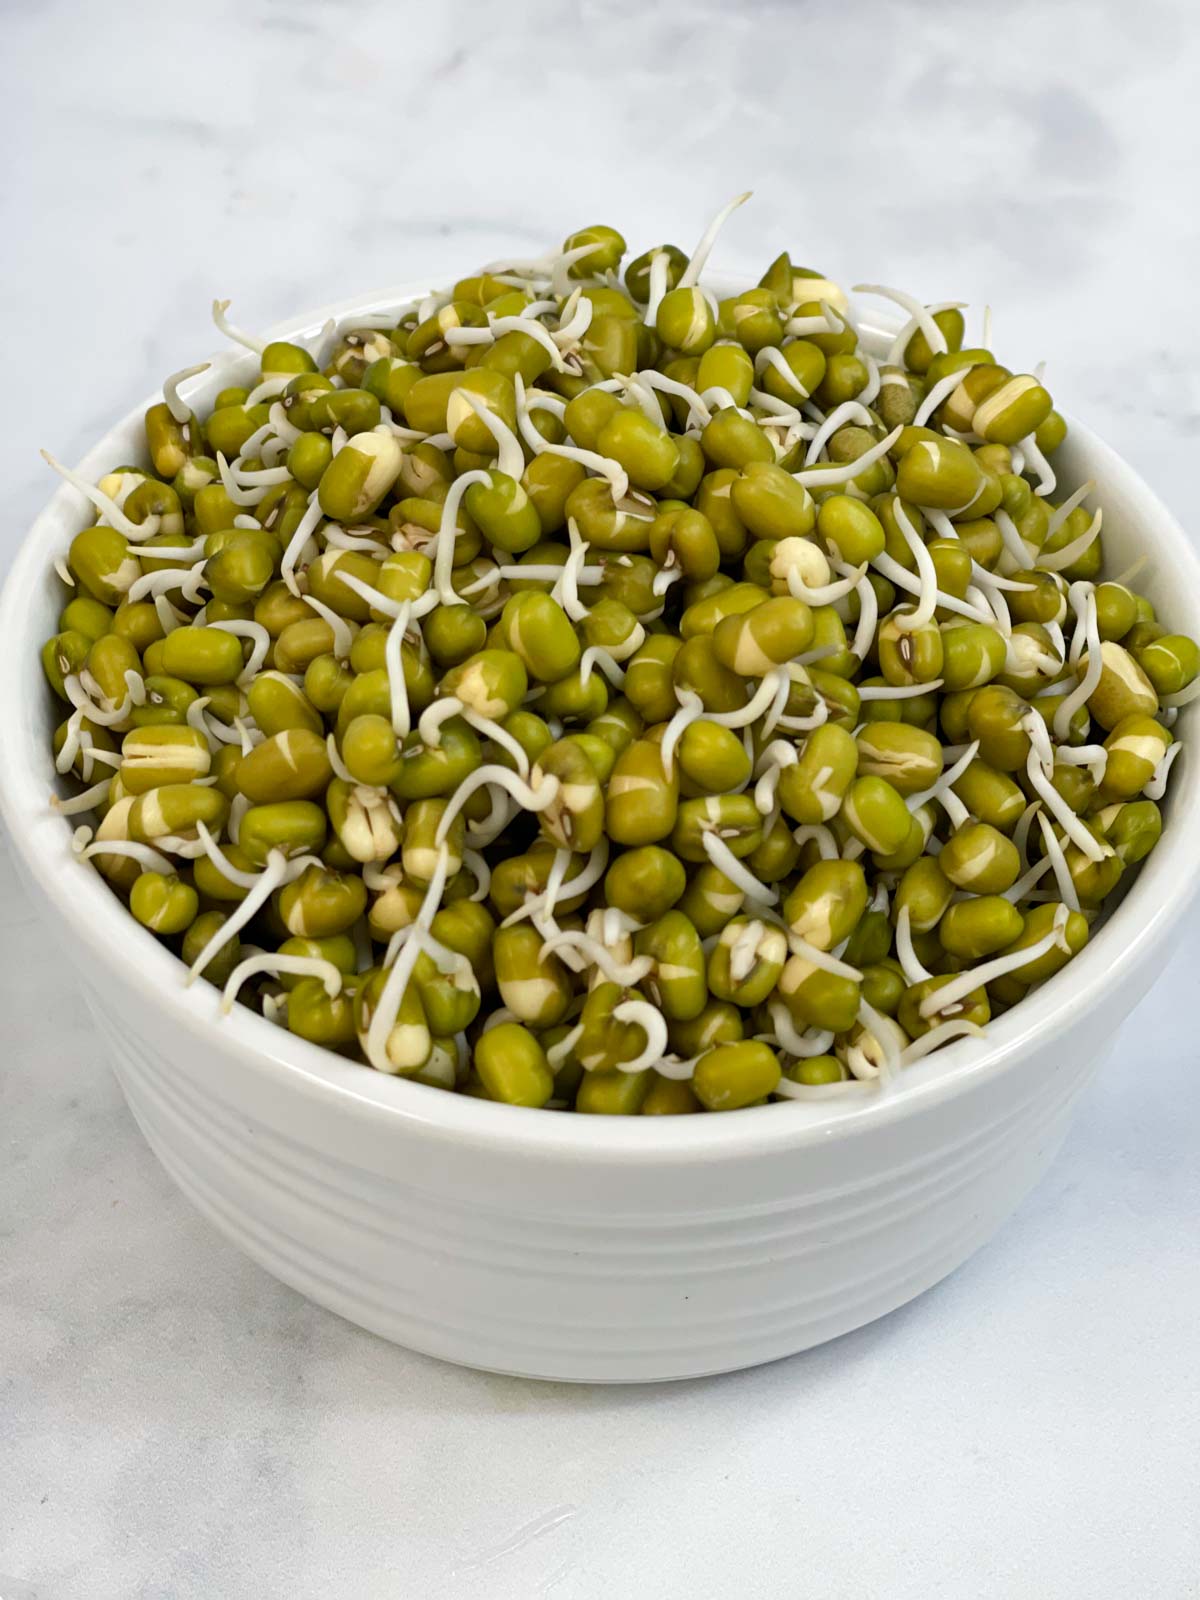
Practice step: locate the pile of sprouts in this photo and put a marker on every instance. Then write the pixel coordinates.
(584, 690)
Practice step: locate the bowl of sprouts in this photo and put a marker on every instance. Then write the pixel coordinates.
(605, 810)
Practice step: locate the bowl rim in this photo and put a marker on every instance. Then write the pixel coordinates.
(1165, 884)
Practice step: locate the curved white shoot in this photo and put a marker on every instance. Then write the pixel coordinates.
(1021, 554)
(393, 662)
(875, 1056)
(244, 880)
(991, 595)
(429, 725)
(699, 257)
(498, 735)
(723, 858)
(533, 330)
(1058, 864)
(651, 378)
(248, 735)
(146, 857)
(241, 496)
(691, 709)
(1157, 787)
(257, 477)
(909, 622)
(1060, 513)
(850, 411)
(273, 876)
(1092, 756)
(905, 691)
(754, 707)
(824, 594)
(383, 1017)
(895, 351)
(168, 618)
(941, 789)
(789, 1089)
(843, 472)
(477, 864)
(868, 609)
(305, 529)
(834, 315)
(1034, 458)
(447, 535)
(808, 724)
(276, 964)
(771, 356)
(659, 276)
(176, 405)
(1090, 679)
(870, 394)
(502, 810)
(822, 958)
(965, 983)
(238, 808)
(261, 641)
(920, 314)
(528, 400)
(343, 634)
(956, 1028)
(778, 705)
(190, 554)
(652, 1023)
(215, 731)
(821, 836)
(86, 800)
(595, 657)
(1060, 560)
(575, 318)
(135, 532)
(942, 390)
(285, 430)
(642, 397)
(269, 388)
(595, 869)
(602, 466)
(464, 338)
(555, 879)
(272, 450)
(374, 597)
(625, 973)
(510, 458)
(914, 970)
(901, 578)
(81, 701)
(675, 1068)
(238, 335)
(530, 798)
(338, 539)
(560, 271)
(561, 1049)
(776, 410)
(153, 584)
(566, 585)
(810, 1042)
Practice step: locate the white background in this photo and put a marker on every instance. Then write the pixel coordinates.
(175, 1424)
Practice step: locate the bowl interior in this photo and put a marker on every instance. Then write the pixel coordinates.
(1139, 533)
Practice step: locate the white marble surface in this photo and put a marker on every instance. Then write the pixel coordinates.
(175, 1424)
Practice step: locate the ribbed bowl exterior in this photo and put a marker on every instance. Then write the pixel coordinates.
(567, 1247)
(596, 1271)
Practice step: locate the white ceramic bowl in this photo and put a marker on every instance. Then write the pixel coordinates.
(569, 1247)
